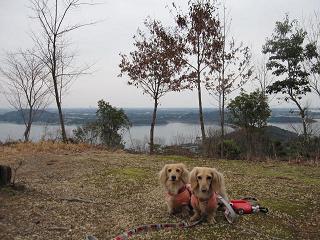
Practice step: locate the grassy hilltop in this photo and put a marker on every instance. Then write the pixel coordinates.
(68, 191)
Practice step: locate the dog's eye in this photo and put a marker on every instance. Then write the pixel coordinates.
(177, 170)
(209, 178)
(199, 177)
(169, 170)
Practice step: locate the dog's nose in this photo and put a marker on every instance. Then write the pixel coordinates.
(203, 190)
(173, 178)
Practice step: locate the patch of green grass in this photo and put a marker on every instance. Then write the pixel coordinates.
(285, 206)
(8, 190)
(291, 175)
(305, 174)
(176, 159)
(129, 173)
(12, 190)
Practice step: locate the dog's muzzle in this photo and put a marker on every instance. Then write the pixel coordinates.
(204, 190)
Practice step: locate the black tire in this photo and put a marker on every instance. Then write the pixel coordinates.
(250, 198)
(264, 210)
(240, 211)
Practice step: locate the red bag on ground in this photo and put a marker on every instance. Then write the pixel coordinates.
(247, 206)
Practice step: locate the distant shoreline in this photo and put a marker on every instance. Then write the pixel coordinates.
(143, 116)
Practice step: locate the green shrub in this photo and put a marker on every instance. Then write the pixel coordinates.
(231, 149)
(107, 129)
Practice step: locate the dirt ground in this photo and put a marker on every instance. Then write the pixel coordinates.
(67, 192)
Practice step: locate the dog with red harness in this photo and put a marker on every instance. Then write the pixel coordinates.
(206, 185)
(174, 179)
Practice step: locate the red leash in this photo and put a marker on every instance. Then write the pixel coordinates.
(150, 227)
(154, 227)
(242, 206)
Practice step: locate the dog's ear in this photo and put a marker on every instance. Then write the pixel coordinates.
(185, 173)
(217, 181)
(163, 174)
(193, 178)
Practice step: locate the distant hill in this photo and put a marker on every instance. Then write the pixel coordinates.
(279, 134)
(271, 132)
(286, 119)
(72, 117)
(142, 116)
(41, 116)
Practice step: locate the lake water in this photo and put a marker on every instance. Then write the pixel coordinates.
(172, 133)
(11, 131)
(137, 136)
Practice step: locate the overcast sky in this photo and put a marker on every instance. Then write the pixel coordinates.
(252, 22)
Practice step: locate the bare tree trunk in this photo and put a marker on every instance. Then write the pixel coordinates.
(26, 133)
(203, 133)
(63, 130)
(222, 88)
(302, 113)
(222, 124)
(304, 123)
(153, 123)
(28, 124)
(56, 91)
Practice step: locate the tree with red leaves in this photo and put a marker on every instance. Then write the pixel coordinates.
(154, 65)
(199, 32)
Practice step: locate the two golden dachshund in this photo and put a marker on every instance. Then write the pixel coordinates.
(199, 188)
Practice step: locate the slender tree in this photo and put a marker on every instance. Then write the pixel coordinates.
(154, 65)
(233, 72)
(26, 86)
(54, 48)
(312, 63)
(263, 76)
(199, 32)
(288, 52)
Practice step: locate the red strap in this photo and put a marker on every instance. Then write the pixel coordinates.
(183, 196)
(212, 201)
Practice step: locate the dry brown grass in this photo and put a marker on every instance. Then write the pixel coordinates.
(30, 148)
(73, 190)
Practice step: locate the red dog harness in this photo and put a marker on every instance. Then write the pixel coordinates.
(212, 202)
(183, 196)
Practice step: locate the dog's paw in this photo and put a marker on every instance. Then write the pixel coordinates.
(174, 211)
(211, 220)
(171, 212)
(195, 217)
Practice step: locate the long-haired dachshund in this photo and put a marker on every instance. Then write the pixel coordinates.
(206, 183)
(174, 178)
